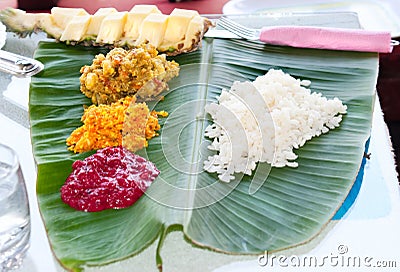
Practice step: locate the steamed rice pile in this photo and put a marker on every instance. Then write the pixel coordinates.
(262, 121)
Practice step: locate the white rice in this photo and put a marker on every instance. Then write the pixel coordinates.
(262, 121)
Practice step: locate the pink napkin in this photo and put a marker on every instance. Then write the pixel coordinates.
(328, 38)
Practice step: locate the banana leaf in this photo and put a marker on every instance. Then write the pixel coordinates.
(289, 209)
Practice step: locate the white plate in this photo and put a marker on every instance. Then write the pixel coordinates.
(373, 14)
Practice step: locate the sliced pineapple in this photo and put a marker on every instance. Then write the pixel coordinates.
(194, 33)
(135, 19)
(47, 24)
(62, 16)
(153, 29)
(97, 18)
(23, 23)
(76, 28)
(179, 32)
(175, 32)
(19, 21)
(111, 28)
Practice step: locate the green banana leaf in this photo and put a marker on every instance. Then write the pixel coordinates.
(290, 208)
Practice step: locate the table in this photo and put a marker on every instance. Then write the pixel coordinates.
(368, 230)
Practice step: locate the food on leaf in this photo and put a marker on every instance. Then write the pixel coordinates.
(262, 121)
(123, 73)
(139, 126)
(103, 126)
(179, 32)
(112, 178)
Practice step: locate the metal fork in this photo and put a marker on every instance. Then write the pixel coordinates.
(239, 29)
(315, 37)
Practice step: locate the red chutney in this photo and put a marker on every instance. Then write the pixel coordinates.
(112, 178)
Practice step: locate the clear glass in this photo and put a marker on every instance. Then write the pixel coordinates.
(14, 211)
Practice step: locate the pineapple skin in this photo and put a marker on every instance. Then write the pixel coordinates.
(18, 21)
(24, 24)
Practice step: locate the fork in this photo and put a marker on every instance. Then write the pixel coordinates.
(239, 29)
(315, 37)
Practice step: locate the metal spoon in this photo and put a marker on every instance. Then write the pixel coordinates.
(18, 65)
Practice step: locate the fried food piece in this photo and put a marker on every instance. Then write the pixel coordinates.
(103, 126)
(135, 134)
(134, 129)
(123, 72)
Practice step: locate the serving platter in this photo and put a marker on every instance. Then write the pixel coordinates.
(291, 207)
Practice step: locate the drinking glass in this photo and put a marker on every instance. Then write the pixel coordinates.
(14, 211)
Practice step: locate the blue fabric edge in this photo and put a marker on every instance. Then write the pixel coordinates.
(355, 189)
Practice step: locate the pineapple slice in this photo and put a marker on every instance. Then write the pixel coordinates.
(178, 23)
(135, 19)
(97, 18)
(24, 24)
(62, 16)
(18, 20)
(76, 28)
(153, 29)
(179, 32)
(47, 24)
(111, 28)
(194, 32)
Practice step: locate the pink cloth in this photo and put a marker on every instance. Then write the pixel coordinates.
(328, 38)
